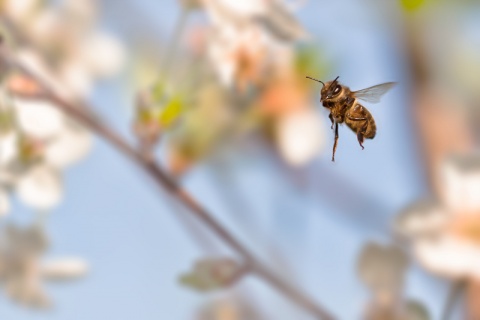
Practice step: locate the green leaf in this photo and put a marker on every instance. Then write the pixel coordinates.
(412, 5)
(171, 112)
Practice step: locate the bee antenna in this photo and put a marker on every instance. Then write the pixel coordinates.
(316, 80)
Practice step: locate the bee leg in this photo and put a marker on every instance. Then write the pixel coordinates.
(363, 129)
(360, 139)
(335, 142)
(331, 119)
(361, 135)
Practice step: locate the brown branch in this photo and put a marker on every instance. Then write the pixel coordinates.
(84, 115)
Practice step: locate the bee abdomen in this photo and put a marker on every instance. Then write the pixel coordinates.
(371, 128)
(360, 120)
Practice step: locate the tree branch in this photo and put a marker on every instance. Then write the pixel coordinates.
(84, 115)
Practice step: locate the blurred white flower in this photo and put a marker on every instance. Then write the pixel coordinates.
(38, 118)
(445, 236)
(40, 187)
(77, 79)
(68, 147)
(275, 16)
(449, 256)
(40, 143)
(22, 271)
(245, 8)
(85, 10)
(382, 269)
(420, 219)
(43, 141)
(67, 52)
(460, 184)
(103, 54)
(42, 25)
(300, 136)
(65, 35)
(19, 9)
(64, 268)
(238, 55)
(8, 148)
(247, 38)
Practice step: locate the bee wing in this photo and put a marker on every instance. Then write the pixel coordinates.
(373, 94)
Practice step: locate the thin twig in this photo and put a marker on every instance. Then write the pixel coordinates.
(84, 115)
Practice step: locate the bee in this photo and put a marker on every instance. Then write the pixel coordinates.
(345, 108)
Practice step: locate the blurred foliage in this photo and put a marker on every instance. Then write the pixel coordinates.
(309, 61)
(382, 267)
(20, 250)
(170, 106)
(414, 310)
(7, 120)
(412, 5)
(171, 112)
(212, 274)
(204, 126)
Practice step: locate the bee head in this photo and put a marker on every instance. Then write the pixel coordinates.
(331, 90)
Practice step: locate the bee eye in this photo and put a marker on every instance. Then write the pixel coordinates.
(337, 89)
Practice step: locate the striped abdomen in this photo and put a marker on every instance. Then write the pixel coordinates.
(359, 119)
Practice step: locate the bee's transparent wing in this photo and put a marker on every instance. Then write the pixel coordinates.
(373, 94)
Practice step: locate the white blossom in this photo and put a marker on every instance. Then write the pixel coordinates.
(70, 146)
(8, 147)
(38, 118)
(102, 54)
(445, 236)
(64, 268)
(40, 187)
(300, 136)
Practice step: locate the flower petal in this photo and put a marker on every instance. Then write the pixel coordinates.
(8, 147)
(300, 136)
(64, 268)
(421, 218)
(461, 183)
(71, 145)
(102, 54)
(449, 257)
(78, 81)
(40, 187)
(39, 119)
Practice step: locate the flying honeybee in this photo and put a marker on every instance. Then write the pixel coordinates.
(344, 107)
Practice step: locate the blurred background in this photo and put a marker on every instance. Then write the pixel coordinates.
(215, 91)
